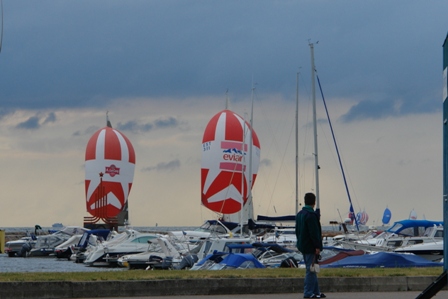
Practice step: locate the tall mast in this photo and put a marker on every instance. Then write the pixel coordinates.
(297, 143)
(243, 164)
(248, 209)
(1, 24)
(249, 199)
(313, 88)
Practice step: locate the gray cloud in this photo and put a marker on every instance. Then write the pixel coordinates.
(370, 110)
(164, 166)
(34, 122)
(89, 131)
(161, 123)
(166, 123)
(31, 123)
(51, 118)
(133, 126)
(4, 112)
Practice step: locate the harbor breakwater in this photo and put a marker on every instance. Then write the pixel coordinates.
(218, 286)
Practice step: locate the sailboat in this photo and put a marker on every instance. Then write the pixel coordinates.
(225, 180)
(387, 215)
(413, 215)
(362, 217)
(109, 173)
(313, 76)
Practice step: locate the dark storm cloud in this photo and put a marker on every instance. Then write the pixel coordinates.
(87, 53)
(164, 166)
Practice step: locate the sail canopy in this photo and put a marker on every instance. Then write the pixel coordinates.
(362, 217)
(225, 158)
(109, 172)
(387, 215)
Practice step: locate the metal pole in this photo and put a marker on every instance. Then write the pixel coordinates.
(316, 161)
(445, 154)
(297, 143)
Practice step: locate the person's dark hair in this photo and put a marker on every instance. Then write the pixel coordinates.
(310, 199)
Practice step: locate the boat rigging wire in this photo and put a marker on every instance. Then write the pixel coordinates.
(337, 151)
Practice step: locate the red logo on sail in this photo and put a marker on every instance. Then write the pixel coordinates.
(112, 170)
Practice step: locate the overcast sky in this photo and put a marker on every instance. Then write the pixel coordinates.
(162, 69)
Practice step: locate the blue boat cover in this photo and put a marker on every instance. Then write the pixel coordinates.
(383, 260)
(407, 223)
(237, 259)
(233, 260)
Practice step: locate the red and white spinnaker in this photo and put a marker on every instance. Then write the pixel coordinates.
(225, 158)
(111, 155)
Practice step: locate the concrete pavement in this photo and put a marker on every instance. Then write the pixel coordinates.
(345, 295)
(336, 287)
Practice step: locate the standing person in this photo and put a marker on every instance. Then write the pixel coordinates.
(309, 243)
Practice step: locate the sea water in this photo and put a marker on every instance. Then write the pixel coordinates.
(45, 264)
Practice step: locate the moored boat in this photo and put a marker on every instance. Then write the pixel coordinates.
(108, 252)
(46, 244)
(402, 233)
(432, 251)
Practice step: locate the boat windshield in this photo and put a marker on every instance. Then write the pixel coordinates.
(143, 239)
(209, 227)
(413, 231)
(436, 232)
(395, 228)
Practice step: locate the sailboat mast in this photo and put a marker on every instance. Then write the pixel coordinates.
(242, 177)
(249, 199)
(297, 143)
(313, 88)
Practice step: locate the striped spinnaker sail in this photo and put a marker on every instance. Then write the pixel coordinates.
(225, 161)
(109, 172)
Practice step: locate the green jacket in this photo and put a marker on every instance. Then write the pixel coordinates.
(308, 231)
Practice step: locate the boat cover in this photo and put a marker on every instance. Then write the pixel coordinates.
(236, 260)
(342, 255)
(230, 260)
(229, 225)
(84, 241)
(383, 260)
(399, 226)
